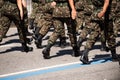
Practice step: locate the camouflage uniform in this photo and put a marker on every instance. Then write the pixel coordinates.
(80, 12)
(110, 37)
(10, 13)
(42, 20)
(61, 14)
(117, 18)
(4, 22)
(87, 25)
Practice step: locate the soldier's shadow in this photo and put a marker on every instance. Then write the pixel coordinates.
(10, 42)
(62, 53)
(12, 49)
(104, 57)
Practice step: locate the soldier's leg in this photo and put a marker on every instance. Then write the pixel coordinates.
(62, 38)
(83, 36)
(26, 23)
(43, 31)
(5, 24)
(89, 44)
(73, 37)
(111, 40)
(22, 35)
(57, 31)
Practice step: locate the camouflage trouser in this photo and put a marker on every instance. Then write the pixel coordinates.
(79, 21)
(59, 28)
(116, 25)
(87, 27)
(11, 12)
(4, 26)
(34, 10)
(110, 37)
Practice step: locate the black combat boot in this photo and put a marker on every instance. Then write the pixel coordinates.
(79, 42)
(84, 57)
(31, 21)
(76, 52)
(114, 55)
(104, 47)
(26, 48)
(46, 52)
(0, 38)
(29, 40)
(38, 41)
(62, 43)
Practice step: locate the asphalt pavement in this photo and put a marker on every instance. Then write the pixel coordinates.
(17, 65)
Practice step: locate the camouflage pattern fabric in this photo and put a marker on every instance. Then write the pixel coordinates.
(110, 37)
(117, 19)
(10, 10)
(61, 15)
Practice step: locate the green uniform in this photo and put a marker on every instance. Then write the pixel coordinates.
(108, 24)
(61, 15)
(10, 13)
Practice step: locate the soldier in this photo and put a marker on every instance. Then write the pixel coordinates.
(87, 26)
(80, 12)
(11, 12)
(44, 21)
(61, 14)
(117, 18)
(110, 38)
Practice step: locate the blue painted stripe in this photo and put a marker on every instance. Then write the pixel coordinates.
(40, 72)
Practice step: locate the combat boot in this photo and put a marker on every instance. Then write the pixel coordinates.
(62, 43)
(31, 21)
(76, 52)
(114, 55)
(26, 48)
(79, 42)
(29, 40)
(38, 41)
(84, 57)
(46, 52)
(104, 47)
(0, 38)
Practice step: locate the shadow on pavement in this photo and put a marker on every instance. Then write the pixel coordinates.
(11, 50)
(11, 41)
(62, 53)
(105, 58)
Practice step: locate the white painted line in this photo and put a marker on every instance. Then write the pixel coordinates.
(33, 70)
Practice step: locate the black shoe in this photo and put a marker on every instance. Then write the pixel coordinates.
(27, 49)
(104, 49)
(46, 54)
(115, 57)
(76, 52)
(84, 59)
(29, 40)
(0, 40)
(38, 44)
(63, 44)
(28, 34)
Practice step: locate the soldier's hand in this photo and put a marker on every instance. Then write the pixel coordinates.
(53, 4)
(73, 14)
(101, 14)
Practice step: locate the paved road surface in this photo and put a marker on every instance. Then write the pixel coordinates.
(17, 65)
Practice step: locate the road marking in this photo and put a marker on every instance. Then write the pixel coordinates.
(44, 70)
